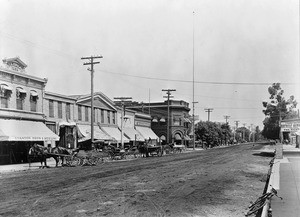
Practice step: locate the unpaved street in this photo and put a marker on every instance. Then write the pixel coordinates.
(215, 182)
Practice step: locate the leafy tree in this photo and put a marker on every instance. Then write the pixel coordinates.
(213, 134)
(242, 134)
(275, 110)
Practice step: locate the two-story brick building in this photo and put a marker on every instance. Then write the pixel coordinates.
(21, 112)
(178, 117)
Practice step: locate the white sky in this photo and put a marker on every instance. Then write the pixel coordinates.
(236, 41)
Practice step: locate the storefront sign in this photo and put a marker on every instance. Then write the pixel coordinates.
(141, 123)
(31, 138)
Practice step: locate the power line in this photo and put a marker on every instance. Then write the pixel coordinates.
(199, 82)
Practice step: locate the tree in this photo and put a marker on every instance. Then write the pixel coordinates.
(277, 109)
(212, 134)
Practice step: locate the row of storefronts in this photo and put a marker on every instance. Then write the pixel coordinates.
(29, 114)
(290, 131)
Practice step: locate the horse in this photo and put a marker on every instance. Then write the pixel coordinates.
(143, 150)
(42, 153)
(61, 152)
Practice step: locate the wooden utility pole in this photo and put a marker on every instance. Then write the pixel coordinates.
(168, 92)
(208, 110)
(237, 125)
(226, 118)
(122, 100)
(92, 63)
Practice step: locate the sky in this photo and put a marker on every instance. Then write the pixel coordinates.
(233, 50)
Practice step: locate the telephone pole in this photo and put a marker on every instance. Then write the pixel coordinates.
(237, 125)
(244, 124)
(208, 110)
(226, 118)
(168, 92)
(92, 63)
(122, 100)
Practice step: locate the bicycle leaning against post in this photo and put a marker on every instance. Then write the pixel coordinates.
(261, 202)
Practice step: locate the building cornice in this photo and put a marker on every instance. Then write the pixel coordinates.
(9, 71)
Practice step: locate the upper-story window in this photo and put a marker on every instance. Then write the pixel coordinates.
(86, 113)
(5, 93)
(114, 118)
(79, 112)
(94, 117)
(33, 101)
(51, 108)
(59, 109)
(108, 117)
(102, 116)
(20, 96)
(68, 111)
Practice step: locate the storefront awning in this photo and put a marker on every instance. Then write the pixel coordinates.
(5, 87)
(163, 138)
(177, 137)
(187, 138)
(146, 132)
(132, 134)
(115, 133)
(15, 130)
(85, 131)
(65, 123)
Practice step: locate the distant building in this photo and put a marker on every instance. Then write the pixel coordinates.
(179, 125)
(288, 129)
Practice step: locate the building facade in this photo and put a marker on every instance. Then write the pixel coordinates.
(289, 129)
(21, 112)
(176, 112)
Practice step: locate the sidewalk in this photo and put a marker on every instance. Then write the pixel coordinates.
(286, 180)
(25, 166)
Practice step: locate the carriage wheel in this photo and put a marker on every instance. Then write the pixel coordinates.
(93, 160)
(68, 160)
(74, 162)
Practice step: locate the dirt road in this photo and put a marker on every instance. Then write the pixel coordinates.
(215, 182)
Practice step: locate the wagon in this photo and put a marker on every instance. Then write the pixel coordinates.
(155, 150)
(85, 158)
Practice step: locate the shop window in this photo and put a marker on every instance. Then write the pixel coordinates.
(86, 113)
(79, 113)
(20, 96)
(68, 111)
(59, 109)
(51, 108)
(102, 116)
